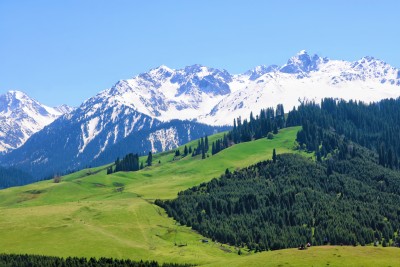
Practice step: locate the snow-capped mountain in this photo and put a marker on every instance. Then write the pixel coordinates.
(22, 116)
(307, 77)
(163, 108)
(99, 131)
(216, 97)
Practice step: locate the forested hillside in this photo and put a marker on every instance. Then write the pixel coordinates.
(349, 195)
(281, 204)
(375, 126)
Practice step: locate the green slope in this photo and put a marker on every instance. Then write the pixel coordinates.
(93, 214)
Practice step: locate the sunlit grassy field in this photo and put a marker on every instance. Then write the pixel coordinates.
(92, 214)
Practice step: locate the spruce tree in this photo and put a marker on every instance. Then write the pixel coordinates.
(274, 156)
(149, 160)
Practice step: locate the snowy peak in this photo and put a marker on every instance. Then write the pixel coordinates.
(214, 96)
(302, 62)
(259, 71)
(64, 109)
(197, 79)
(22, 116)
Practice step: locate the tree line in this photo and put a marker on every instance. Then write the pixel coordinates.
(25, 260)
(13, 177)
(267, 123)
(130, 163)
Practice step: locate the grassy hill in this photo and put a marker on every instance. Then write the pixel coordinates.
(90, 214)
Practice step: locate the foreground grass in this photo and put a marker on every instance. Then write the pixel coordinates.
(91, 214)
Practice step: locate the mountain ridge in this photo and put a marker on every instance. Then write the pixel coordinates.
(216, 97)
(21, 116)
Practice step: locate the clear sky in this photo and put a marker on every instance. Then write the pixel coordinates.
(67, 51)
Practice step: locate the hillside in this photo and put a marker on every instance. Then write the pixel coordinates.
(292, 200)
(112, 223)
(114, 215)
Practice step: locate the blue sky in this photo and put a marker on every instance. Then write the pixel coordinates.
(67, 51)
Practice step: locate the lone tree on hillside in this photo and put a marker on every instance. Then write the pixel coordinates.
(274, 156)
(149, 160)
(57, 179)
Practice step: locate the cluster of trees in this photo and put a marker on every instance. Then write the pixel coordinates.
(186, 151)
(13, 177)
(267, 123)
(255, 128)
(374, 126)
(219, 144)
(19, 260)
(130, 163)
(279, 205)
(202, 147)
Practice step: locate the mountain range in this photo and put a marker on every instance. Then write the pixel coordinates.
(163, 108)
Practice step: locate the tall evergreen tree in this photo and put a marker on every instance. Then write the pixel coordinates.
(149, 160)
(273, 156)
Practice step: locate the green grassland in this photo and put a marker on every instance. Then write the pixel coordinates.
(92, 214)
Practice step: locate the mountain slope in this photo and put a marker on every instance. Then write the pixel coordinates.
(22, 116)
(97, 133)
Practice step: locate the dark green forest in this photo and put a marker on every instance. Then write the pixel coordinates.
(293, 201)
(349, 195)
(16, 260)
(375, 126)
(13, 177)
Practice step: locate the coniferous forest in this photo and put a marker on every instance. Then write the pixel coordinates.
(293, 201)
(13, 177)
(375, 126)
(350, 193)
(16, 260)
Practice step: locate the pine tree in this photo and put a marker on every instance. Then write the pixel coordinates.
(206, 147)
(149, 160)
(275, 129)
(273, 156)
(198, 148)
(185, 151)
(225, 141)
